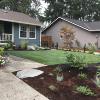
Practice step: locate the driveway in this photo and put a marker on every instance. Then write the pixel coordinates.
(11, 87)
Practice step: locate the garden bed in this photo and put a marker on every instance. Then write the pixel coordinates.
(65, 90)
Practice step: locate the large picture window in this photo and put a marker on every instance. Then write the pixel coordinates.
(23, 31)
(32, 32)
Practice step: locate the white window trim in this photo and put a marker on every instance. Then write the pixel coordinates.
(12, 32)
(32, 31)
(27, 33)
(19, 32)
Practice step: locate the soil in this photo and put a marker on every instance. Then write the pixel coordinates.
(65, 90)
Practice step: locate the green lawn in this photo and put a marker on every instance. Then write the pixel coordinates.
(51, 57)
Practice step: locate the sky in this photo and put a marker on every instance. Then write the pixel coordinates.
(43, 6)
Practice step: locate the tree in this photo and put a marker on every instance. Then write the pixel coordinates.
(88, 10)
(30, 7)
(67, 35)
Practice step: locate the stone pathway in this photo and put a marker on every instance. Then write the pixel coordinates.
(12, 88)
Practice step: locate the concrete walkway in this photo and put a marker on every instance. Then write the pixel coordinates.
(12, 88)
(17, 63)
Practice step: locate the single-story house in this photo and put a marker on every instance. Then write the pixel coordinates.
(85, 32)
(16, 27)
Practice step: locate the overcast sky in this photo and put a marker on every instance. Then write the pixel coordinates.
(43, 6)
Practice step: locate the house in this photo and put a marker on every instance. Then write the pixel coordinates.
(85, 32)
(16, 27)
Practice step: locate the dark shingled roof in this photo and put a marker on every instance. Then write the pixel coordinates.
(89, 26)
(17, 17)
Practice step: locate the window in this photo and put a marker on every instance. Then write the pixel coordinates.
(23, 31)
(32, 32)
(27, 32)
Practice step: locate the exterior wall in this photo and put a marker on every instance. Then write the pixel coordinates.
(84, 37)
(17, 40)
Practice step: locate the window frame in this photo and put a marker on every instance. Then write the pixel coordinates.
(20, 31)
(31, 31)
(27, 31)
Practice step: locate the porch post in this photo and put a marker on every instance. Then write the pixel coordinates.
(12, 32)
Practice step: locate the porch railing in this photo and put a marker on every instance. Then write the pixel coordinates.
(5, 37)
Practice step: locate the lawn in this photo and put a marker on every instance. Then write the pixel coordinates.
(51, 57)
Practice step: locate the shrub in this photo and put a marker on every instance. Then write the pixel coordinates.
(1, 51)
(23, 44)
(9, 45)
(91, 48)
(76, 61)
(85, 90)
(82, 75)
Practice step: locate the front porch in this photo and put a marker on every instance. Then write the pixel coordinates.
(5, 31)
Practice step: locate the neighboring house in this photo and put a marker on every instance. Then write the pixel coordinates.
(85, 32)
(16, 27)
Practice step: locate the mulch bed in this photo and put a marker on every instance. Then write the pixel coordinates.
(66, 88)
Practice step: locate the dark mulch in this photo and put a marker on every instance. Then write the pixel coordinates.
(65, 89)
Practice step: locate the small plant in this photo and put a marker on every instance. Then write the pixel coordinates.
(91, 48)
(23, 44)
(82, 76)
(97, 79)
(59, 74)
(2, 60)
(9, 45)
(85, 90)
(76, 61)
(1, 51)
(58, 69)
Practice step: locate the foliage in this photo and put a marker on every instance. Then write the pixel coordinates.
(23, 44)
(58, 69)
(91, 48)
(9, 45)
(97, 80)
(67, 35)
(2, 60)
(85, 90)
(75, 60)
(82, 75)
(30, 7)
(75, 9)
(1, 51)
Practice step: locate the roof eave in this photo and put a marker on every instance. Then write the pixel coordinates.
(20, 22)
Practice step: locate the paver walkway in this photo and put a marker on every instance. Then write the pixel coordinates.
(12, 88)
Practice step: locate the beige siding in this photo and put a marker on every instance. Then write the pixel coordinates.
(83, 36)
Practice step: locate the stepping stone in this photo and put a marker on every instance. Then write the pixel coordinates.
(29, 73)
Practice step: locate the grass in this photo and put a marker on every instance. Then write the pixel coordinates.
(51, 57)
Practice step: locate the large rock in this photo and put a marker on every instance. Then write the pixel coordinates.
(29, 73)
(31, 47)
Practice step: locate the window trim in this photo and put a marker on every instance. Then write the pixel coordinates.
(20, 32)
(31, 31)
(27, 32)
